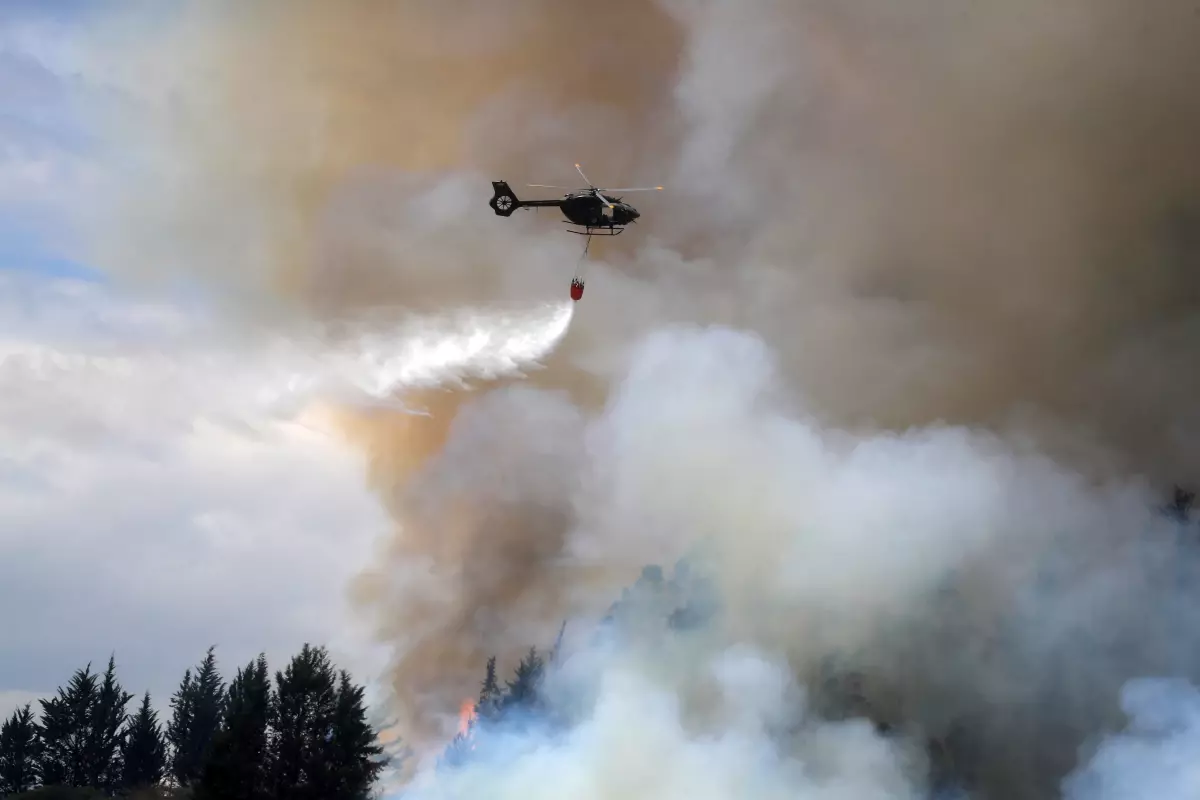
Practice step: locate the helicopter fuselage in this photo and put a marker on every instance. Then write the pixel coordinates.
(582, 208)
(586, 210)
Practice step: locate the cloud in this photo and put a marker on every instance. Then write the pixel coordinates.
(153, 502)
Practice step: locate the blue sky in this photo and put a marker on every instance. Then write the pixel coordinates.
(45, 141)
(150, 503)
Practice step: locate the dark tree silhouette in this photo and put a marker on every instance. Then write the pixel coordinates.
(523, 689)
(516, 707)
(81, 731)
(1181, 504)
(20, 752)
(179, 728)
(309, 738)
(66, 730)
(108, 731)
(355, 758)
(197, 708)
(490, 693)
(144, 753)
(238, 767)
(304, 710)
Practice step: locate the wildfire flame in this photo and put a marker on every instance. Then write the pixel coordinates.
(466, 715)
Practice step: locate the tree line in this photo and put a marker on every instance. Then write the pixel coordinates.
(683, 601)
(520, 698)
(840, 687)
(304, 736)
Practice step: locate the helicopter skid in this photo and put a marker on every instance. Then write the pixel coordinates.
(598, 231)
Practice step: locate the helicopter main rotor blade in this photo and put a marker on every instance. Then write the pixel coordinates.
(595, 191)
(636, 189)
(546, 186)
(592, 186)
(585, 177)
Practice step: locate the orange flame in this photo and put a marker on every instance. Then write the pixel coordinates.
(466, 715)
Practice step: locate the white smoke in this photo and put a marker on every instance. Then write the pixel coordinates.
(641, 742)
(702, 445)
(821, 542)
(1158, 754)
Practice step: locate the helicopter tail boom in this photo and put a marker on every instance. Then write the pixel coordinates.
(504, 200)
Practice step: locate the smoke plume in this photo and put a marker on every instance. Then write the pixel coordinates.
(948, 252)
(1155, 756)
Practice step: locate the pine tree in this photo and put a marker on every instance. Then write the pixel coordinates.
(20, 752)
(198, 706)
(144, 754)
(490, 693)
(179, 728)
(304, 709)
(354, 755)
(66, 731)
(523, 690)
(108, 727)
(81, 731)
(488, 710)
(238, 767)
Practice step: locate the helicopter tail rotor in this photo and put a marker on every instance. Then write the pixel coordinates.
(504, 202)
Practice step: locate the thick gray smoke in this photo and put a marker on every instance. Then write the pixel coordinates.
(950, 247)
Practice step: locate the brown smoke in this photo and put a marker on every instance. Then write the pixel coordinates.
(985, 214)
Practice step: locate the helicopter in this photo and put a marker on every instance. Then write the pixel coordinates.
(598, 213)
